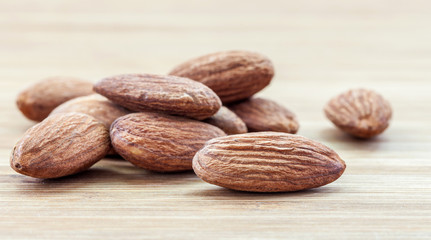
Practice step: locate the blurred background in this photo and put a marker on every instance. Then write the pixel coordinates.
(319, 48)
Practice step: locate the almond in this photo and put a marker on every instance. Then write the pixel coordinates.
(159, 93)
(360, 112)
(261, 114)
(38, 100)
(227, 121)
(267, 162)
(160, 142)
(233, 75)
(61, 145)
(94, 105)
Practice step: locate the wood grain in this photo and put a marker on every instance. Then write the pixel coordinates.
(319, 49)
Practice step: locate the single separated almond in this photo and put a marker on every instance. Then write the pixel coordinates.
(360, 112)
(227, 121)
(38, 100)
(61, 145)
(159, 142)
(261, 114)
(233, 75)
(94, 105)
(159, 93)
(267, 162)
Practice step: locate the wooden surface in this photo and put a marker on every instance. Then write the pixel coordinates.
(319, 48)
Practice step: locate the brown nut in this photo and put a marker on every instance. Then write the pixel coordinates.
(38, 100)
(261, 114)
(233, 75)
(159, 93)
(267, 162)
(159, 142)
(61, 145)
(227, 121)
(94, 105)
(360, 112)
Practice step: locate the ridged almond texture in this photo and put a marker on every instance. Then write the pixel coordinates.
(362, 113)
(227, 121)
(167, 94)
(61, 145)
(38, 100)
(261, 114)
(160, 142)
(267, 162)
(94, 105)
(233, 75)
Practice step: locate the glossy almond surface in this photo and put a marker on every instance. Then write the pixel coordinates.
(39, 99)
(267, 162)
(160, 93)
(261, 114)
(233, 75)
(362, 113)
(61, 145)
(160, 142)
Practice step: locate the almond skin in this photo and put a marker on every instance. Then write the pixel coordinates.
(61, 145)
(160, 93)
(267, 162)
(261, 114)
(159, 142)
(94, 105)
(38, 100)
(233, 75)
(227, 121)
(361, 113)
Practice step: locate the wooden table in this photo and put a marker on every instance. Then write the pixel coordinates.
(319, 48)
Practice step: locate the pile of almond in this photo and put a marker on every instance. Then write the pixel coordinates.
(196, 118)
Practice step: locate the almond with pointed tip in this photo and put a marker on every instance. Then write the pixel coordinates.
(96, 106)
(233, 75)
(267, 162)
(160, 93)
(160, 142)
(39, 99)
(261, 114)
(227, 121)
(362, 113)
(61, 145)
